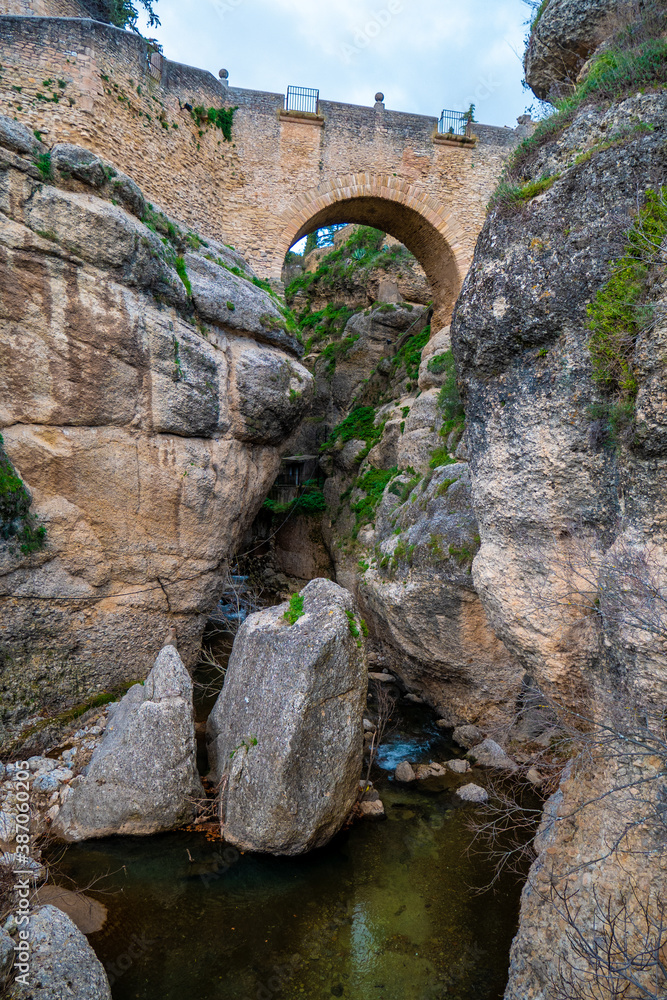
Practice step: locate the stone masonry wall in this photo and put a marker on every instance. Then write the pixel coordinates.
(54, 8)
(84, 82)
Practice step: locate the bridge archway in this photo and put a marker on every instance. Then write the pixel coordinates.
(397, 208)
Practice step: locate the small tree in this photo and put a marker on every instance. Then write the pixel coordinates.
(125, 13)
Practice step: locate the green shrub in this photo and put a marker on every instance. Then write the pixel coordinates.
(373, 483)
(16, 521)
(359, 424)
(619, 310)
(295, 609)
(410, 354)
(449, 399)
(43, 164)
(441, 457)
(310, 502)
(179, 266)
(444, 486)
(222, 118)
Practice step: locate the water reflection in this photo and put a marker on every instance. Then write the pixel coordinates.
(385, 912)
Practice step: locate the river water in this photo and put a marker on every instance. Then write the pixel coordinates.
(388, 911)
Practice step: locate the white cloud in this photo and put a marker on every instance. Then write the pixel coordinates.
(423, 54)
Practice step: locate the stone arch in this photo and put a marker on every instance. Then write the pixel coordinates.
(398, 208)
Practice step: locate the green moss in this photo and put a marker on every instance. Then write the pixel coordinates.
(295, 609)
(620, 308)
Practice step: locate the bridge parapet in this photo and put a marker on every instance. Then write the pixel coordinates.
(280, 176)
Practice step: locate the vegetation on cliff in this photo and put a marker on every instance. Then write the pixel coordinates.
(621, 309)
(635, 58)
(17, 524)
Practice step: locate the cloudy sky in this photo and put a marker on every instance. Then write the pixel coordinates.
(425, 55)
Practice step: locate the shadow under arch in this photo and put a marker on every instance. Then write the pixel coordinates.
(398, 208)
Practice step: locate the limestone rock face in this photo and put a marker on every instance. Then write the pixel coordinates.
(142, 778)
(547, 480)
(287, 730)
(422, 600)
(142, 408)
(600, 844)
(564, 36)
(63, 965)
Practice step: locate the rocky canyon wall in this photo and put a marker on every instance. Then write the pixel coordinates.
(146, 385)
(559, 338)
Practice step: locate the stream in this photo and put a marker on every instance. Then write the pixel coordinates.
(389, 910)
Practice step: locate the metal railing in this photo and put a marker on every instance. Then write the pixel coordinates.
(302, 99)
(455, 123)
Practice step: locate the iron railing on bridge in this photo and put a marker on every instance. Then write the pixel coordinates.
(302, 99)
(455, 123)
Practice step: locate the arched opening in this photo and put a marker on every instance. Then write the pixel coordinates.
(404, 213)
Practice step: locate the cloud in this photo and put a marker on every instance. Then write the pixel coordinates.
(423, 54)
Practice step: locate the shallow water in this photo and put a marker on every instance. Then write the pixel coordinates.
(386, 912)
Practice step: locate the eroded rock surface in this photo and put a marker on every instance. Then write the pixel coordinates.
(286, 732)
(63, 966)
(554, 493)
(420, 596)
(142, 778)
(146, 385)
(565, 34)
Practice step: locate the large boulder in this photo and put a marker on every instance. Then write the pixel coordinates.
(287, 730)
(142, 778)
(564, 35)
(62, 964)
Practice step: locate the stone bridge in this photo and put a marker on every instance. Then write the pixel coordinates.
(282, 174)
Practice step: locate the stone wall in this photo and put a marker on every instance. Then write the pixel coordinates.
(56, 8)
(83, 82)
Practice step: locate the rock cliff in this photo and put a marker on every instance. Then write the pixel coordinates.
(559, 339)
(147, 383)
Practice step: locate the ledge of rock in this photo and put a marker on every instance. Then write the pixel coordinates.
(287, 730)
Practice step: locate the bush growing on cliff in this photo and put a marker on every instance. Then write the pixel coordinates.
(373, 483)
(16, 521)
(620, 309)
(634, 58)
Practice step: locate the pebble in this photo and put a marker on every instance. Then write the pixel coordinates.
(383, 678)
(372, 809)
(473, 793)
(458, 766)
(405, 772)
